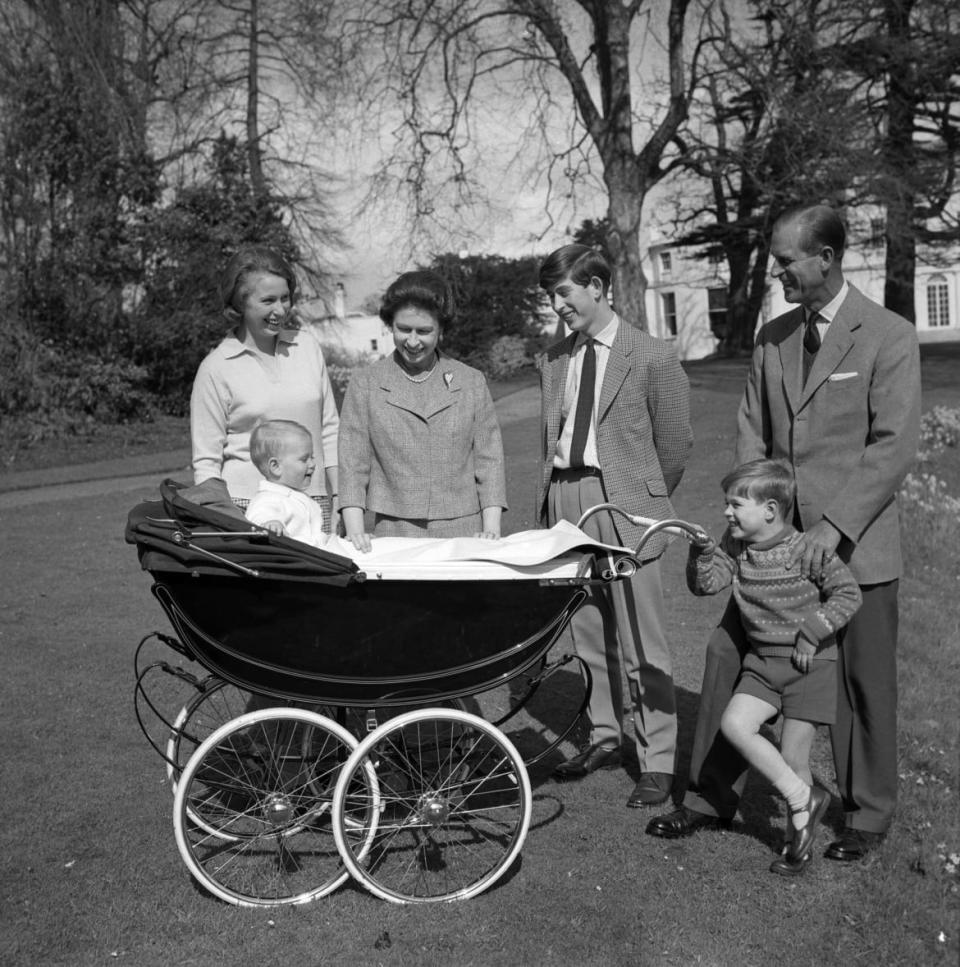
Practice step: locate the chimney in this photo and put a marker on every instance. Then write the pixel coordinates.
(339, 301)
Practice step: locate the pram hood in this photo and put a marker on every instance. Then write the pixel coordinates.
(177, 533)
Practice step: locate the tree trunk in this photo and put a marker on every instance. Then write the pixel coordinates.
(623, 244)
(254, 156)
(899, 159)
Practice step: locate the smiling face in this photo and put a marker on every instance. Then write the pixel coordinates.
(751, 520)
(581, 307)
(294, 465)
(801, 269)
(266, 304)
(416, 335)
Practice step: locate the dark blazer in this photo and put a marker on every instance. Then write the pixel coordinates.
(643, 427)
(851, 433)
(420, 451)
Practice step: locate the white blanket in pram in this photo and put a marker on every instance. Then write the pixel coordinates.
(553, 552)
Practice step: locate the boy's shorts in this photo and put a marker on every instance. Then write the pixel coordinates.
(809, 697)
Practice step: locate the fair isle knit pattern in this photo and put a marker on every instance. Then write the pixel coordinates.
(776, 601)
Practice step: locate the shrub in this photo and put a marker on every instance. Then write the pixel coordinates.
(507, 357)
(47, 391)
(340, 365)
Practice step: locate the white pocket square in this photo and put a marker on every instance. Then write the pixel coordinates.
(837, 377)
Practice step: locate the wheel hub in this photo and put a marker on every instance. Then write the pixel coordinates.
(278, 810)
(434, 809)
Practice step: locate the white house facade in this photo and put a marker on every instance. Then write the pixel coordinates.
(687, 293)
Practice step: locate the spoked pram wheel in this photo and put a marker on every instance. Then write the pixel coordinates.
(454, 807)
(253, 808)
(217, 703)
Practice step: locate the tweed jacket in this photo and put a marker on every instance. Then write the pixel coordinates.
(420, 451)
(642, 423)
(851, 433)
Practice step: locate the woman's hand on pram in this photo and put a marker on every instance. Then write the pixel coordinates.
(273, 527)
(487, 535)
(361, 541)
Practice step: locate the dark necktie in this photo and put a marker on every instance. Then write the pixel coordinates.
(584, 414)
(811, 343)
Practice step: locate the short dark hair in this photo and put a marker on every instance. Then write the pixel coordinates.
(269, 439)
(248, 261)
(578, 262)
(422, 289)
(820, 225)
(763, 480)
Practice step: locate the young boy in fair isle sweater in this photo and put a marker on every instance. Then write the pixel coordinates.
(791, 624)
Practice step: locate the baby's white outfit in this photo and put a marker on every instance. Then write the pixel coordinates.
(301, 516)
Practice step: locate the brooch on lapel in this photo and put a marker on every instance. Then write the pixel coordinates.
(448, 379)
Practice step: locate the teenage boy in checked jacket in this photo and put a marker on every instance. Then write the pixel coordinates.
(615, 426)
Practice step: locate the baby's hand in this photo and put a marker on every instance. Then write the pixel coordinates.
(803, 652)
(274, 527)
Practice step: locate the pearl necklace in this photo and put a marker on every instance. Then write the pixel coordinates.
(419, 379)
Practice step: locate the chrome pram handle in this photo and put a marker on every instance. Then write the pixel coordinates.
(693, 532)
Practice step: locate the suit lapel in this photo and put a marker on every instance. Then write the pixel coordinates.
(791, 362)
(555, 381)
(618, 366)
(423, 400)
(836, 344)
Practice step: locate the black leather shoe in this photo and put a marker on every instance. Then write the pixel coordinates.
(804, 836)
(853, 844)
(784, 866)
(683, 822)
(652, 789)
(589, 759)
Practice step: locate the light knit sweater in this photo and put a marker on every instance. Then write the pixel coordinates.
(776, 602)
(235, 389)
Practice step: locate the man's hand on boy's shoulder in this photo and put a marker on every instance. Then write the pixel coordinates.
(815, 549)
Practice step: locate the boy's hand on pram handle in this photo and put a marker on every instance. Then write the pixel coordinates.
(702, 542)
(273, 527)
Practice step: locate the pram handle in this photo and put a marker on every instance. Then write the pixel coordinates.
(693, 532)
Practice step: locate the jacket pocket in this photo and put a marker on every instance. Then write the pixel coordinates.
(656, 487)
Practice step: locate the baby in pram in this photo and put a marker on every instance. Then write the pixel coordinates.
(282, 450)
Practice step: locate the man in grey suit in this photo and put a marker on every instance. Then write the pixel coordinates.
(835, 389)
(615, 427)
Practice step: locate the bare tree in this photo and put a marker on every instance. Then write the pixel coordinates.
(605, 88)
(766, 133)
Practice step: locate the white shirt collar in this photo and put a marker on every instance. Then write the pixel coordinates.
(829, 311)
(605, 336)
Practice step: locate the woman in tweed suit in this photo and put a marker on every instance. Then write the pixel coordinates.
(419, 442)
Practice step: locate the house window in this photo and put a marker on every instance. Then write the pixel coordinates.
(938, 301)
(666, 263)
(373, 345)
(878, 227)
(715, 256)
(669, 305)
(717, 309)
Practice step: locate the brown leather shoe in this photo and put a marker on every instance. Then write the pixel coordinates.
(853, 844)
(803, 837)
(684, 822)
(652, 789)
(589, 759)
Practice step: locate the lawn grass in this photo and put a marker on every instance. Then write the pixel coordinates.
(90, 873)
